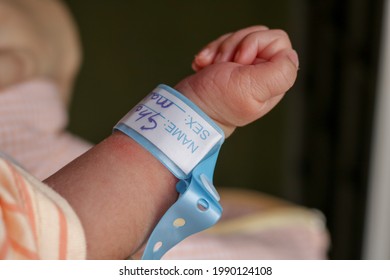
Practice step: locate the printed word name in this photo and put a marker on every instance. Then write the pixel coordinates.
(182, 137)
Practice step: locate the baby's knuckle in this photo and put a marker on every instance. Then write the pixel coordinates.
(255, 28)
(280, 33)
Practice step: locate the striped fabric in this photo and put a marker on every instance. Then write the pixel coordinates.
(36, 223)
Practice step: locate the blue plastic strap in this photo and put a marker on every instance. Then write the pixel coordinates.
(187, 142)
(196, 210)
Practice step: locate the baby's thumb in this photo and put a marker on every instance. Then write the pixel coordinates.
(15, 66)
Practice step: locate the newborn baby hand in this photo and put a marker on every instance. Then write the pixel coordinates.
(242, 75)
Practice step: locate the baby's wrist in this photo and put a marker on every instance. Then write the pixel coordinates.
(188, 92)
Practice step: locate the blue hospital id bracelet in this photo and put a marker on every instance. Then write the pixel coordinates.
(187, 142)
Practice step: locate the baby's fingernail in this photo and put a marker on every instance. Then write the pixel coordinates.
(195, 67)
(204, 54)
(293, 56)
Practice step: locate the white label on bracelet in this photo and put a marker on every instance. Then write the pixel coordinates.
(175, 128)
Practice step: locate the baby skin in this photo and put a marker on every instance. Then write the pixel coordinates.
(120, 191)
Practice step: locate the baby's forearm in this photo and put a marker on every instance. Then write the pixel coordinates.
(119, 191)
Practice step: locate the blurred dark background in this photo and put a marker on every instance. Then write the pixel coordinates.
(312, 149)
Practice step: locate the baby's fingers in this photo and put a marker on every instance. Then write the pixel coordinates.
(223, 49)
(261, 46)
(228, 47)
(207, 54)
